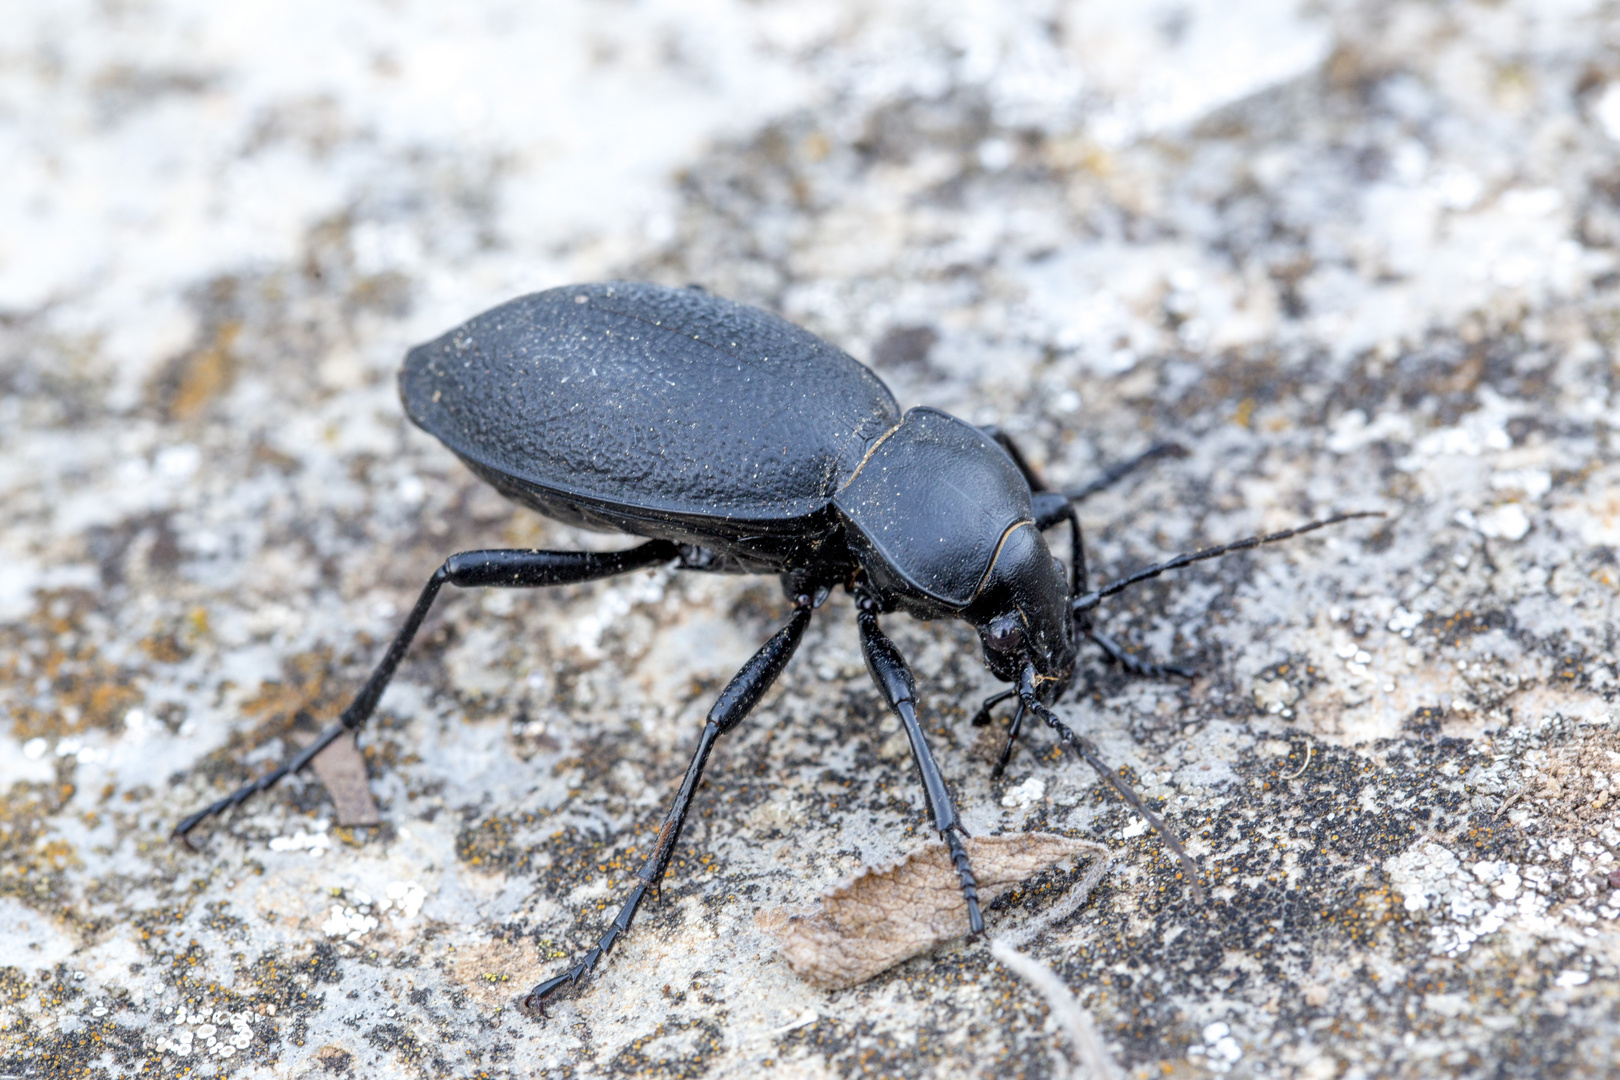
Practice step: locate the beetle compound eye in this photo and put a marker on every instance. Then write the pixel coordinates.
(1005, 633)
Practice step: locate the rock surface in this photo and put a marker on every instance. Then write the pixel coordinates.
(1348, 255)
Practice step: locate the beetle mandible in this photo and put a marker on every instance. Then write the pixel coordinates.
(736, 442)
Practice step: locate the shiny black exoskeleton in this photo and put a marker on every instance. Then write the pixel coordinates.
(737, 442)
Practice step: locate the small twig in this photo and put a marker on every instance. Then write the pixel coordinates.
(1507, 802)
(1075, 1021)
(1072, 901)
(1309, 750)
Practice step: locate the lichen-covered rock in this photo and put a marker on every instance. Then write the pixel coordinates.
(1347, 255)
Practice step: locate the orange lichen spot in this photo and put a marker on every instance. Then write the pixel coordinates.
(202, 375)
(165, 648)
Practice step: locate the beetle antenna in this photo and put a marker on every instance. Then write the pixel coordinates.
(1115, 473)
(1088, 751)
(1087, 601)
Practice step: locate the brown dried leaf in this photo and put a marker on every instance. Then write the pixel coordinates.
(342, 771)
(886, 914)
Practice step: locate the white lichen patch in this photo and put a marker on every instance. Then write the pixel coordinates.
(1403, 622)
(1274, 695)
(350, 923)
(1465, 903)
(359, 916)
(404, 898)
(219, 1032)
(316, 841)
(1025, 795)
(1505, 522)
(1219, 1050)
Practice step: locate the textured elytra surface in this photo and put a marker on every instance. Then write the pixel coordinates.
(1354, 258)
(651, 399)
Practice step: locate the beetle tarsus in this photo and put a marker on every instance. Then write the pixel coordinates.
(535, 1000)
(964, 875)
(262, 783)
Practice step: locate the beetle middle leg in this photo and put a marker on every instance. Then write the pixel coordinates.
(1053, 508)
(469, 569)
(893, 677)
(735, 702)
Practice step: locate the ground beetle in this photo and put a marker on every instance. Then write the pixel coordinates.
(736, 442)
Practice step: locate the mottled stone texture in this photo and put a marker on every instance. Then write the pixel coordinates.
(1347, 256)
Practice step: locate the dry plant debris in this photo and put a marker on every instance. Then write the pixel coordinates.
(1077, 1024)
(886, 914)
(342, 771)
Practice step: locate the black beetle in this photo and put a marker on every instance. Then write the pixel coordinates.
(737, 442)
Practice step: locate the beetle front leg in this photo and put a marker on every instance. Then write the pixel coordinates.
(982, 718)
(735, 702)
(893, 677)
(1029, 694)
(1012, 741)
(469, 569)
(1134, 665)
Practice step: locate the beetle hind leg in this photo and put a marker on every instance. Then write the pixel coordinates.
(469, 569)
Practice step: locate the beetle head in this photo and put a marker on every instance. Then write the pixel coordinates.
(1022, 611)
